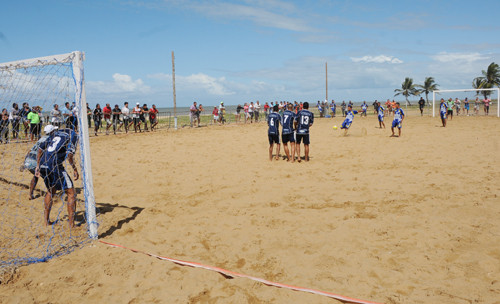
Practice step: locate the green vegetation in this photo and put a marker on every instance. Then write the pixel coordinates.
(428, 86)
(490, 78)
(407, 89)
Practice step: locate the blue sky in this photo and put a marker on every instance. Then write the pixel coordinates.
(242, 51)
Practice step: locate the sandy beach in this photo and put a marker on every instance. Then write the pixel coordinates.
(393, 220)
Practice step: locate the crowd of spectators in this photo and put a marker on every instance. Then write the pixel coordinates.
(125, 118)
(30, 120)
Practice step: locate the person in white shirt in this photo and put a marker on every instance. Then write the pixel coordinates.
(250, 111)
(126, 117)
(256, 111)
(56, 116)
(74, 116)
(136, 112)
(457, 105)
(222, 113)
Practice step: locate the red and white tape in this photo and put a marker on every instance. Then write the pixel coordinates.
(233, 274)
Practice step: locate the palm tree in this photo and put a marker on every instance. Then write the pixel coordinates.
(490, 78)
(428, 86)
(407, 89)
(478, 83)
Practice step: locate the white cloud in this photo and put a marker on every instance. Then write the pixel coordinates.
(121, 84)
(458, 57)
(259, 12)
(197, 83)
(214, 86)
(377, 59)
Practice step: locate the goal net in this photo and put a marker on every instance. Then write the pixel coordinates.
(33, 95)
(468, 102)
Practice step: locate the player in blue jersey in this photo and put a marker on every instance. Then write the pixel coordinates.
(30, 164)
(303, 121)
(273, 133)
(380, 110)
(348, 119)
(399, 115)
(364, 108)
(50, 158)
(287, 134)
(443, 108)
(333, 107)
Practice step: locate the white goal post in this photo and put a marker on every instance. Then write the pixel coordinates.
(464, 90)
(76, 60)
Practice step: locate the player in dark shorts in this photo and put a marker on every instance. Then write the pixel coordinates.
(421, 105)
(116, 117)
(30, 164)
(51, 156)
(273, 133)
(287, 134)
(303, 121)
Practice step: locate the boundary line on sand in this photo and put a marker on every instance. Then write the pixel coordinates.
(232, 274)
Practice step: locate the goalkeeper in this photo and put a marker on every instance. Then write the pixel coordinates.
(50, 158)
(30, 164)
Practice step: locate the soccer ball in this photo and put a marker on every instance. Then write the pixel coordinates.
(335, 127)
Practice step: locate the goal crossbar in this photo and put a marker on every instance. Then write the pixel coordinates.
(464, 90)
(40, 61)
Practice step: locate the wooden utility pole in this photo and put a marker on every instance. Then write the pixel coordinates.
(326, 72)
(173, 84)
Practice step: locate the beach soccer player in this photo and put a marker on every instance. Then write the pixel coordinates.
(273, 133)
(443, 108)
(421, 105)
(303, 121)
(333, 108)
(287, 134)
(364, 108)
(348, 119)
(399, 115)
(380, 116)
(49, 165)
(30, 164)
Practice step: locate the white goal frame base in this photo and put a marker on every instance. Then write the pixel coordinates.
(465, 90)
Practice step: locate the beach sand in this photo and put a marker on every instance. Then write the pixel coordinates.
(394, 220)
